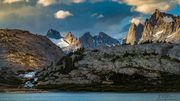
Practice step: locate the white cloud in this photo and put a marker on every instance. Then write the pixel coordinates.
(136, 20)
(14, 1)
(20, 12)
(95, 14)
(78, 1)
(99, 16)
(46, 2)
(149, 6)
(51, 2)
(62, 14)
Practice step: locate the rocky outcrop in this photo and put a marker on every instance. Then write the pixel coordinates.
(74, 42)
(143, 66)
(53, 34)
(69, 43)
(20, 51)
(9, 78)
(161, 27)
(134, 33)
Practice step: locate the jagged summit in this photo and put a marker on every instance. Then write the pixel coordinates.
(134, 33)
(157, 14)
(73, 41)
(87, 40)
(102, 34)
(70, 38)
(53, 34)
(102, 39)
(161, 27)
(68, 44)
(87, 34)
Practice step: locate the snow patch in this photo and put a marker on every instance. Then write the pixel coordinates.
(172, 35)
(55, 41)
(30, 75)
(62, 43)
(158, 33)
(168, 19)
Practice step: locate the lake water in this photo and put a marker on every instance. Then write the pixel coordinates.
(90, 97)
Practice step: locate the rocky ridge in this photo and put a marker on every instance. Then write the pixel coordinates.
(143, 65)
(21, 51)
(161, 27)
(102, 39)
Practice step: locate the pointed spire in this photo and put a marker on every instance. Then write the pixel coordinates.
(157, 13)
(69, 37)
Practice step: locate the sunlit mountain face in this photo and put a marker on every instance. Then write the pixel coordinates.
(79, 16)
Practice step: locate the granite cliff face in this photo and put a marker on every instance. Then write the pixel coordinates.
(147, 65)
(134, 33)
(21, 50)
(161, 27)
(73, 42)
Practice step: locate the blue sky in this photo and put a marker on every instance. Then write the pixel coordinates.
(78, 16)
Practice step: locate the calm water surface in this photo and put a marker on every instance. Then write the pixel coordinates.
(90, 97)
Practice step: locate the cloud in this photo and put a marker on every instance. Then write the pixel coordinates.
(46, 2)
(18, 12)
(62, 14)
(98, 16)
(136, 20)
(78, 1)
(149, 6)
(51, 2)
(14, 1)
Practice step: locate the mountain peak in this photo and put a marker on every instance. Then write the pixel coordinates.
(72, 41)
(102, 34)
(70, 34)
(157, 11)
(69, 37)
(87, 34)
(134, 33)
(156, 15)
(53, 34)
(161, 27)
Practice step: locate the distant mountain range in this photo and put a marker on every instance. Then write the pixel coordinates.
(70, 43)
(161, 27)
(99, 40)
